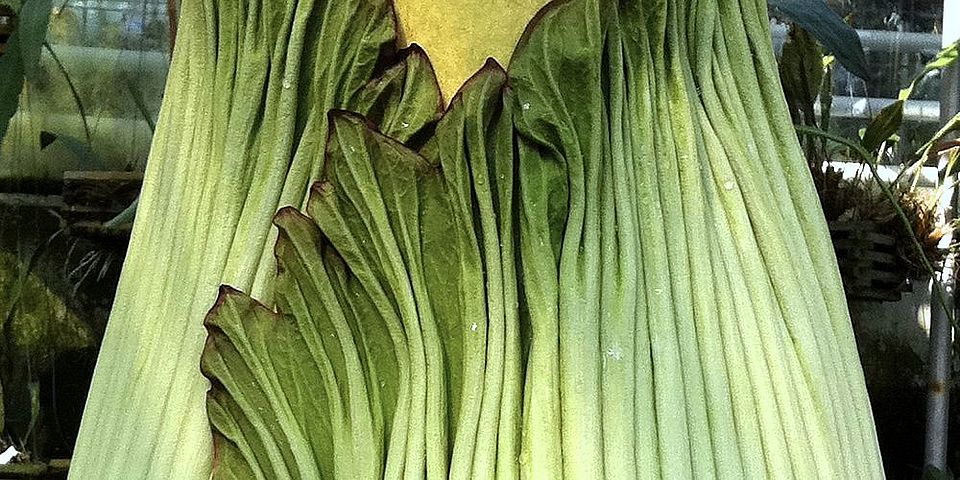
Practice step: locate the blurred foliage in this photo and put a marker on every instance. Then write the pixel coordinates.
(115, 56)
(65, 27)
(858, 199)
(822, 23)
(37, 326)
(37, 323)
(803, 71)
(891, 68)
(904, 15)
(22, 55)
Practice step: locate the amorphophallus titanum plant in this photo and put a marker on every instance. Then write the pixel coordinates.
(605, 261)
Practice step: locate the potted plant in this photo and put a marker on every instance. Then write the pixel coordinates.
(885, 233)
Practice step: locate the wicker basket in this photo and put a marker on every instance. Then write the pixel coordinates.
(868, 262)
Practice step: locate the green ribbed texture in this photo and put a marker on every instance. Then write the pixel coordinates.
(241, 134)
(605, 261)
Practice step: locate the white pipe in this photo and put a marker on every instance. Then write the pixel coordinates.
(843, 106)
(878, 40)
(927, 111)
(938, 375)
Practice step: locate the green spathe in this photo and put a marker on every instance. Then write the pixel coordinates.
(241, 134)
(607, 261)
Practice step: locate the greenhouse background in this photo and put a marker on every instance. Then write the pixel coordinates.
(72, 160)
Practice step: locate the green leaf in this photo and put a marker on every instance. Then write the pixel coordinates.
(823, 23)
(22, 57)
(883, 126)
(801, 72)
(952, 125)
(386, 341)
(31, 30)
(473, 147)
(239, 329)
(944, 58)
(11, 83)
(826, 95)
(405, 101)
(315, 342)
(560, 132)
(66, 153)
(371, 210)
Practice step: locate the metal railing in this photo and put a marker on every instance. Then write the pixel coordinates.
(925, 111)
